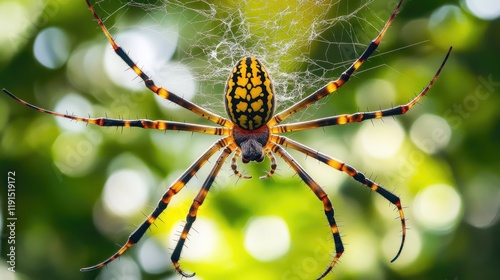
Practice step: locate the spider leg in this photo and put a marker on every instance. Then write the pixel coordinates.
(197, 202)
(150, 83)
(164, 201)
(334, 85)
(321, 194)
(234, 165)
(358, 176)
(358, 117)
(274, 165)
(144, 123)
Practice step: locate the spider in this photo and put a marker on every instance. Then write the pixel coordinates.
(252, 132)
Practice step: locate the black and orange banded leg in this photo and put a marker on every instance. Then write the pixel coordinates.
(362, 116)
(321, 194)
(358, 176)
(165, 200)
(150, 83)
(335, 85)
(142, 123)
(193, 211)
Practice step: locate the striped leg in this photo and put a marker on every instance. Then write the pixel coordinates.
(334, 85)
(150, 83)
(143, 123)
(164, 201)
(197, 202)
(274, 165)
(358, 176)
(234, 164)
(321, 194)
(358, 117)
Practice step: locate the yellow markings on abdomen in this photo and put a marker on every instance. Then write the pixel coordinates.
(249, 95)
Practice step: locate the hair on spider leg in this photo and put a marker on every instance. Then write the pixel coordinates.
(193, 228)
(394, 192)
(374, 180)
(178, 232)
(397, 218)
(274, 174)
(158, 218)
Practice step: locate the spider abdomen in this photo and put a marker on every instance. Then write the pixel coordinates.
(249, 94)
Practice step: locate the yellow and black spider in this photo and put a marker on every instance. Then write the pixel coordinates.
(252, 133)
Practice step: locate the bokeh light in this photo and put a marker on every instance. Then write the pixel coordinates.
(74, 154)
(361, 258)
(375, 91)
(439, 208)
(51, 47)
(125, 192)
(482, 199)
(127, 268)
(203, 241)
(484, 9)
(450, 26)
(381, 141)
(13, 23)
(267, 238)
(152, 256)
(430, 133)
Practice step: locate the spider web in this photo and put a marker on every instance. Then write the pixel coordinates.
(304, 43)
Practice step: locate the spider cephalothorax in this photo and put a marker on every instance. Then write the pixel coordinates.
(252, 131)
(251, 142)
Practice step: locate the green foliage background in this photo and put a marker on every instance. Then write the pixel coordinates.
(55, 231)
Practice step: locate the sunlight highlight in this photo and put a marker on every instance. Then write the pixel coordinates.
(362, 255)
(125, 192)
(267, 238)
(439, 208)
(382, 140)
(375, 91)
(152, 257)
(482, 198)
(484, 9)
(51, 47)
(430, 133)
(203, 240)
(13, 24)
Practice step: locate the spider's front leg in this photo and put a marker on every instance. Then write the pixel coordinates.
(150, 84)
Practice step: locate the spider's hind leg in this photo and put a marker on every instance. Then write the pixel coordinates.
(327, 204)
(351, 171)
(193, 210)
